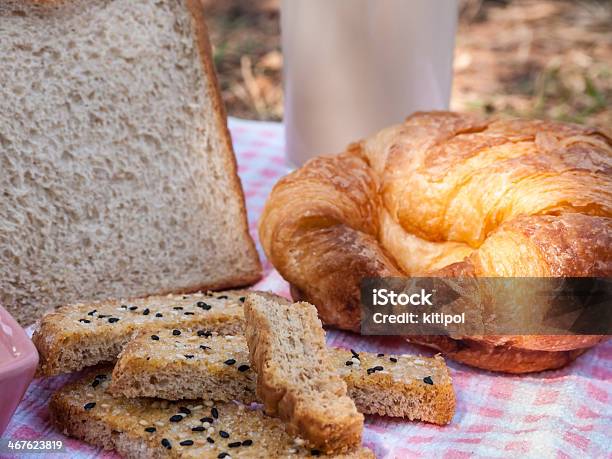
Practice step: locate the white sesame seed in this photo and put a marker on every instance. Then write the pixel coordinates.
(298, 441)
(292, 451)
(211, 430)
(105, 405)
(181, 356)
(419, 361)
(159, 423)
(142, 422)
(209, 403)
(197, 407)
(206, 425)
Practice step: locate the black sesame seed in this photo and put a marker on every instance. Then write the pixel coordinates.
(223, 434)
(204, 347)
(186, 443)
(354, 354)
(243, 368)
(215, 413)
(209, 440)
(428, 380)
(222, 455)
(85, 321)
(315, 452)
(348, 363)
(159, 314)
(146, 312)
(234, 444)
(178, 308)
(370, 371)
(205, 306)
(101, 377)
(124, 306)
(89, 406)
(205, 333)
(198, 429)
(176, 332)
(184, 409)
(112, 320)
(91, 313)
(150, 429)
(393, 359)
(95, 383)
(176, 418)
(241, 299)
(378, 368)
(189, 356)
(155, 337)
(209, 420)
(222, 297)
(189, 313)
(166, 443)
(380, 355)
(230, 361)
(103, 316)
(133, 308)
(247, 442)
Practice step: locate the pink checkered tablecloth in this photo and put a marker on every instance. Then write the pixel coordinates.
(557, 414)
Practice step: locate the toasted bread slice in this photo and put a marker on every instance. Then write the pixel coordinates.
(197, 365)
(138, 428)
(408, 386)
(74, 337)
(295, 377)
(192, 365)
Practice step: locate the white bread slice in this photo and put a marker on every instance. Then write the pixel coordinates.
(118, 175)
(139, 428)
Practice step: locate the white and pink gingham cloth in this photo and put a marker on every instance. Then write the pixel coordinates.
(556, 414)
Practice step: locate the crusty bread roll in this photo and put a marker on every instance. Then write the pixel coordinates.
(118, 176)
(447, 194)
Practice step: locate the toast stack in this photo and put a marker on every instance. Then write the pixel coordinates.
(183, 385)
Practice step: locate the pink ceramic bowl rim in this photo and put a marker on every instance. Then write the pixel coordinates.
(21, 341)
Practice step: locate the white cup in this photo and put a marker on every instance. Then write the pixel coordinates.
(352, 67)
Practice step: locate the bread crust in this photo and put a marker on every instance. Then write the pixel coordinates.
(446, 194)
(196, 8)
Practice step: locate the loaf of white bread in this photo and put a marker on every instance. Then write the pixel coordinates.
(118, 175)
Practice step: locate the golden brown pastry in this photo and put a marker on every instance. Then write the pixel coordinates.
(448, 194)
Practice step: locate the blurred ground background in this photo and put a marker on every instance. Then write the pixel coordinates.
(532, 58)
